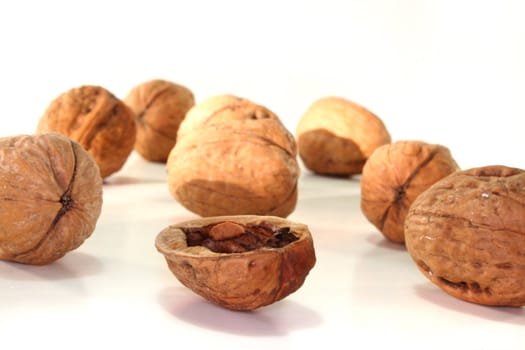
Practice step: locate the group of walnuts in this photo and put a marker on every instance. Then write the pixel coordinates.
(234, 163)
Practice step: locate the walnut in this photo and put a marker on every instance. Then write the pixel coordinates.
(159, 108)
(466, 234)
(239, 262)
(220, 108)
(99, 121)
(235, 165)
(392, 178)
(50, 197)
(336, 136)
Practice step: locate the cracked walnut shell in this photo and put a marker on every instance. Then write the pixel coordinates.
(392, 178)
(239, 262)
(96, 119)
(235, 167)
(336, 136)
(466, 234)
(50, 197)
(159, 107)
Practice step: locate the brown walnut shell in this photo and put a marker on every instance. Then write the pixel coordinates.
(221, 108)
(392, 178)
(235, 167)
(239, 262)
(336, 136)
(466, 234)
(99, 121)
(159, 107)
(50, 197)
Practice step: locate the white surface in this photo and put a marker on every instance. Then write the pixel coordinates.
(448, 72)
(117, 289)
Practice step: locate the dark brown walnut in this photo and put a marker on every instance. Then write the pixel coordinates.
(393, 177)
(235, 167)
(466, 234)
(98, 120)
(159, 107)
(50, 197)
(336, 136)
(239, 262)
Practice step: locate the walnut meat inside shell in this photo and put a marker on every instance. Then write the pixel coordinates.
(50, 197)
(466, 234)
(96, 119)
(392, 178)
(239, 262)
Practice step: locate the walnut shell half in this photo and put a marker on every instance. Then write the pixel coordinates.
(50, 197)
(239, 262)
(466, 234)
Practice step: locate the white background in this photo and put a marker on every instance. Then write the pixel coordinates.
(448, 72)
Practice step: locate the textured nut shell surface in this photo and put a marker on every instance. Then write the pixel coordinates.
(392, 178)
(239, 281)
(99, 121)
(466, 233)
(336, 136)
(234, 168)
(159, 107)
(221, 108)
(51, 197)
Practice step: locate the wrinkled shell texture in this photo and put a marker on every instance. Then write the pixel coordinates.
(239, 281)
(466, 234)
(221, 108)
(392, 178)
(336, 136)
(234, 167)
(159, 107)
(51, 197)
(99, 121)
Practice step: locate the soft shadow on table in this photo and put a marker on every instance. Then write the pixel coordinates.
(119, 180)
(433, 294)
(278, 319)
(380, 241)
(73, 265)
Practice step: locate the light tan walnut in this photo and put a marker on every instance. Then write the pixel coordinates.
(336, 136)
(238, 165)
(221, 108)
